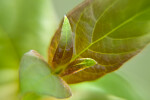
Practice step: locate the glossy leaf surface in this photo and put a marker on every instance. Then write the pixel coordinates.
(36, 76)
(61, 52)
(110, 32)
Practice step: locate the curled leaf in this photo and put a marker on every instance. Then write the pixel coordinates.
(61, 49)
(78, 65)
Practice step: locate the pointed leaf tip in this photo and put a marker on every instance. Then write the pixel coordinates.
(88, 62)
(109, 31)
(64, 48)
(78, 65)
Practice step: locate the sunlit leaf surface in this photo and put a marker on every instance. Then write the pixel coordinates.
(36, 76)
(108, 31)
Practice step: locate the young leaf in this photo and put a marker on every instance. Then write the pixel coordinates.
(36, 76)
(61, 52)
(87, 74)
(78, 65)
(110, 32)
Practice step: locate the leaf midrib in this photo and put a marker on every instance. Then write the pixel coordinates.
(113, 30)
(65, 45)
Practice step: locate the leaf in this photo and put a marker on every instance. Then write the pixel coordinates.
(24, 25)
(31, 96)
(87, 74)
(122, 87)
(112, 85)
(36, 76)
(137, 71)
(108, 31)
(82, 93)
(78, 65)
(7, 52)
(61, 51)
(34, 26)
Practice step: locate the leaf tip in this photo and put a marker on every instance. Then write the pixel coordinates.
(89, 62)
(66, 20)
(65, 17)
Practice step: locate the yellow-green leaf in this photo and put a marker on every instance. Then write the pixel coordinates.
(78, 65)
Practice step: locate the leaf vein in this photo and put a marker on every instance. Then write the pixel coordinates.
(107, 9)
(116, 28)
(113, 30)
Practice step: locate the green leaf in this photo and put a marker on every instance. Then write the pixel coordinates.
(110, 32)
(122, 87)
(36, 76)
(9, 57)
(61, 51)
(31, 96)
(89, 92)
(137, 71)
(24, 25)
(78, 65)
(112, 85)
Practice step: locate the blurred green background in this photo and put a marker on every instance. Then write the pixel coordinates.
(30, 24)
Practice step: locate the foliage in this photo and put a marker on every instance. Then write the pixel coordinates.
(24, 25)
(98, 38)
(22, 28)
(36, 76)
(106, 36)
